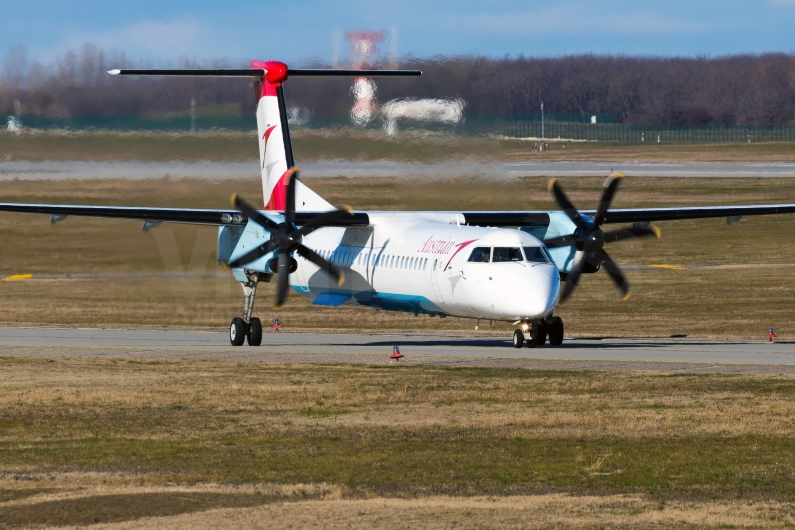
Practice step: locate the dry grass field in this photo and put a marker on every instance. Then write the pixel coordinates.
(352, 144)
(164, 444)
(89, 271)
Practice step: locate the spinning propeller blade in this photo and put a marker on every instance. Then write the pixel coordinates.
(286, 238)
(611, 185)
(565, 204)
(589, 239)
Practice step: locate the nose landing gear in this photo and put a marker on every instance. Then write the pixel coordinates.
(518, 338)
(538, 332)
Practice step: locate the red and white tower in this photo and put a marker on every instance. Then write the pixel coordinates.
(364, 51)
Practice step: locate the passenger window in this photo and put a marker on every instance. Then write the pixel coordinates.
(480, 255)
(536, 255)
(503, 254)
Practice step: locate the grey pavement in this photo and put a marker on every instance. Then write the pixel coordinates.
(654, 169)
(327, 345)
(58, 170)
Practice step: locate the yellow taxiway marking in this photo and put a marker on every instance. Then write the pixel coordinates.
(17, 277)
(666, 266)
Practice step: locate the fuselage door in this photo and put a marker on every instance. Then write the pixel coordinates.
(436, 272)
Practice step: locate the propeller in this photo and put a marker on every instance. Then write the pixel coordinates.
(589, 239)
(287, 238)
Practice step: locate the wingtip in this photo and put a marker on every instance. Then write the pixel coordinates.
(626, 296)
(347, 208)
(551, 184)
(656, 231)
(617, 175)
(115, 71)
(278, 307)
(340, 280)
(225, 266)
(233, 199)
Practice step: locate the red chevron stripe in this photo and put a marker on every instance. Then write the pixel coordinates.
(278, 198)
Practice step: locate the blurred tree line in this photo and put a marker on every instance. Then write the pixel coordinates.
(731, 90)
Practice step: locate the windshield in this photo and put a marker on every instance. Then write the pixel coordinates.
(537, 255)
(480, 255)
(502, 254)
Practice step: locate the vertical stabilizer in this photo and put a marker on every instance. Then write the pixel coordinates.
(275, 147)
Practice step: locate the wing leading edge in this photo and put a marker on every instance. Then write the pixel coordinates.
(361, 219)
(630, 215)
(168, 215)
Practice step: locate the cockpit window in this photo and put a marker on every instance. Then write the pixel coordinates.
(502, 254)
(537, 255)
(480, 255)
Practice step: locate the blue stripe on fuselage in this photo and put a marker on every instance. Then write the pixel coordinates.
(386, 301)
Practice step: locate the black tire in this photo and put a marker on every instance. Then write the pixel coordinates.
(556, 333)
(254, 336)
(237, 332)
(539, 334)
(518, 338)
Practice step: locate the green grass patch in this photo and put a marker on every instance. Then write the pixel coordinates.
(403, 430)
(447, 461)
(117, 508)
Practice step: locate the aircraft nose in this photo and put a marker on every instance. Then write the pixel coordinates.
(539, 292)
(545, 290)
(514, 290)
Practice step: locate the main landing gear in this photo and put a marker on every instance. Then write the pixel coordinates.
(538, 332)
(248, 328)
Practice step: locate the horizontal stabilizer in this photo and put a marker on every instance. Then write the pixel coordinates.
(259, 72)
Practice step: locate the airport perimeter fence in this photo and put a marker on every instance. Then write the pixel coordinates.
(527, 127)
(620, 132)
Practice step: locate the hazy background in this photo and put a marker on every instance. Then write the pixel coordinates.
(675, 63)
(294, 31)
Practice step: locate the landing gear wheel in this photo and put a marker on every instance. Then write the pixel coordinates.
(237, 332)
(556, 333)
(539, 333)
(254, 336)
(518, 338)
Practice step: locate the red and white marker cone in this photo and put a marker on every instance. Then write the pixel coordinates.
(396, 355)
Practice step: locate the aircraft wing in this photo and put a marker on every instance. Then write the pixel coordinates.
(159, 215)
(494, 218)
(629, 215)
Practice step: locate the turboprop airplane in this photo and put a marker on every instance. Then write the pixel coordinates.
(498, 265)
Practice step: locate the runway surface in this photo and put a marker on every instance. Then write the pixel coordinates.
(58, 170)
(466, 349)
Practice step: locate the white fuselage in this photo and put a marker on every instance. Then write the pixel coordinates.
(418, 262)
